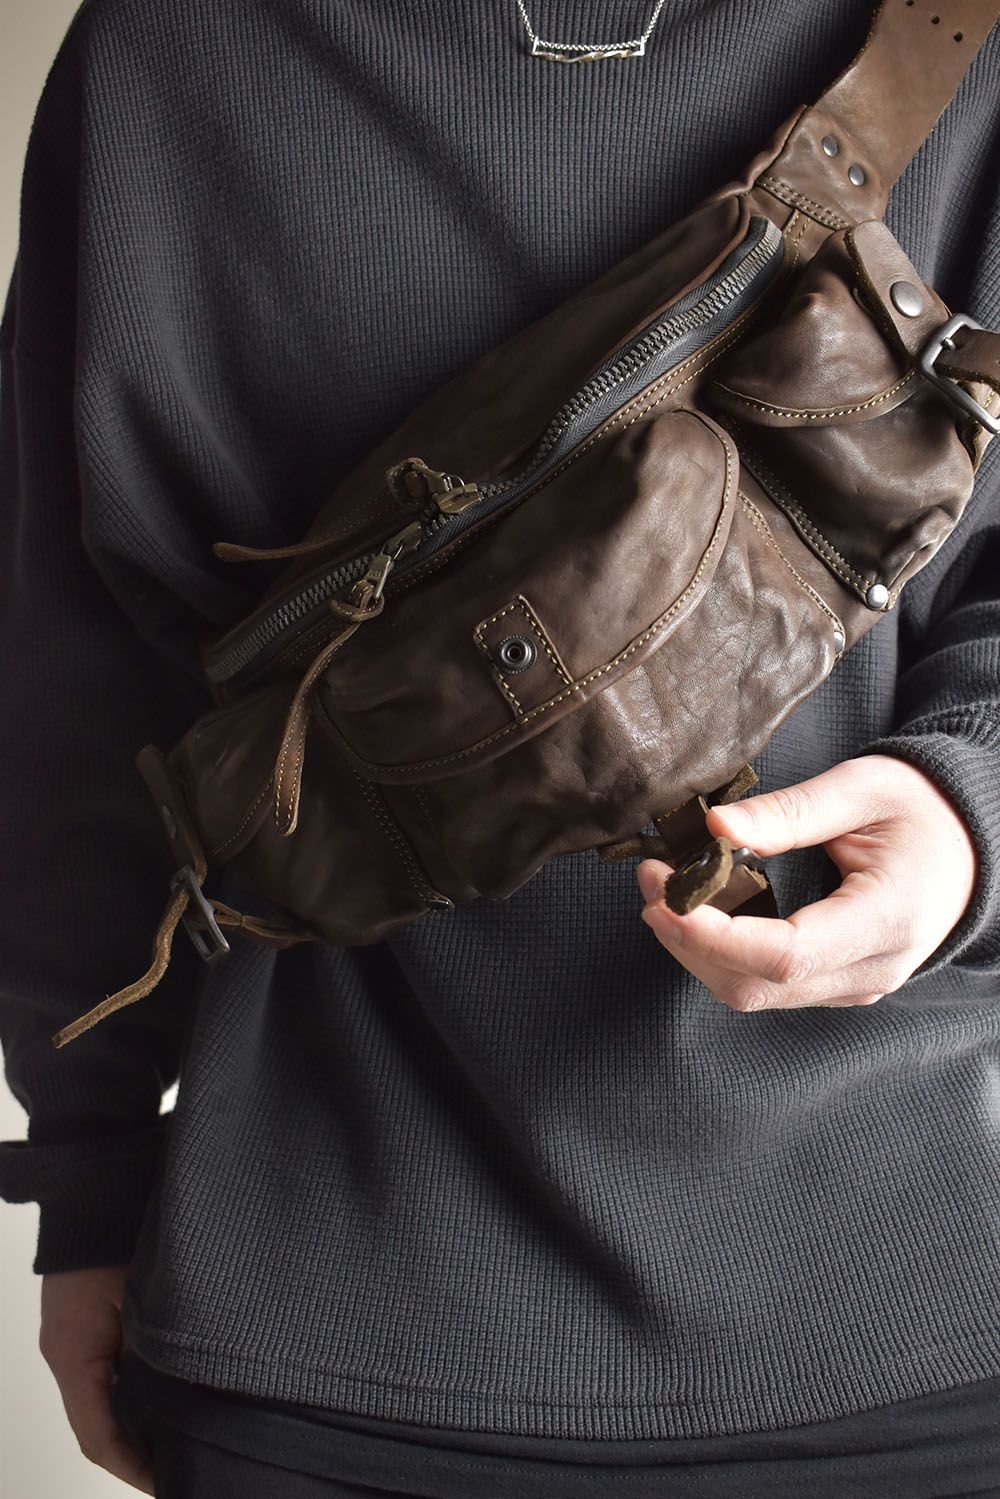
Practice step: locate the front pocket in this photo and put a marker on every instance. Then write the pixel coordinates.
(682, 720)
(594, 570)
(835, 422)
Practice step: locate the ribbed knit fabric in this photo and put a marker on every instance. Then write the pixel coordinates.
(512, 1170)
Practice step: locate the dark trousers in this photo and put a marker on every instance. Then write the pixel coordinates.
(797, 1463)
(186, 1468)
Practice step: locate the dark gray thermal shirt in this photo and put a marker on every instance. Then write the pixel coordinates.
(512, 1170)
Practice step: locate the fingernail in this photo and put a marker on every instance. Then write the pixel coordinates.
(649, 883)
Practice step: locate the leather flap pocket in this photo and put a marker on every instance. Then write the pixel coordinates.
(527, 618)
(822, 361)
(833, 418)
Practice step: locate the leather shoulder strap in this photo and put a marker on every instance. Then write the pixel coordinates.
(914, 58)
(847, 150)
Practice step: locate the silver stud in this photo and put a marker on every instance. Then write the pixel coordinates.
(857, 175)
(877, 596)
(516, 653)
(839, 641)
(830, 145)
(906, 298)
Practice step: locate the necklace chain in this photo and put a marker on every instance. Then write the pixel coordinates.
(588, 51)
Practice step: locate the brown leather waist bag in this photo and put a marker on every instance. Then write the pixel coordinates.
(578, 589)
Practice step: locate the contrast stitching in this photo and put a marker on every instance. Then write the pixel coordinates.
(828, 551)
(256, 803)
(534, 625)
(280, 769)
(708, 355)
(498, 675)
(814, 416)
(729, 336)
(640, 640)
(758, 521)
(392, 832)
(794, 198)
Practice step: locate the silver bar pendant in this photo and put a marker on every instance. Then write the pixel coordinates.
(606, 49)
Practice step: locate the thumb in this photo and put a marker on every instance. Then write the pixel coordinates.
(799, 816)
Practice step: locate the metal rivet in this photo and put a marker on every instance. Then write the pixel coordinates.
(839, 641)
(856, 175)
(516, 653)
(877, 596)
(168, 819)
(830, 145)
(906, 298)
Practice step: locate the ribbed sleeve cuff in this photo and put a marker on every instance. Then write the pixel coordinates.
(968, 772)
(92, 1194)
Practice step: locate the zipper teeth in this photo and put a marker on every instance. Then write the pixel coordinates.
(312, 596)
(645, 346)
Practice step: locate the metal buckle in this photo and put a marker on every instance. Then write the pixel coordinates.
(943, 338)
(200, 907)
(749, 858)
(740, 856)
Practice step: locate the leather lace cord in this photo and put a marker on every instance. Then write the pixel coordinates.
(291, 752)
(274, 933)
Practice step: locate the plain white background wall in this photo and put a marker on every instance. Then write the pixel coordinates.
(39, 1456)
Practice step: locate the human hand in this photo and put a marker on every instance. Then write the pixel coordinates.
(909, 866)
(81, 1340)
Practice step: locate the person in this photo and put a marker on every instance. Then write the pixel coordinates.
(559, 1193)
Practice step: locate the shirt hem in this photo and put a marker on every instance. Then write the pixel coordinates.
(611, 1416)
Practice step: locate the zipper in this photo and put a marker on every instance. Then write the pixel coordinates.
(685, 327)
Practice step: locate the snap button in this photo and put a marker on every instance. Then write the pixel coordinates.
(856, 175)
(839, 641)
(830, 145)
(906, 298)
(877, 596)
(516, 653)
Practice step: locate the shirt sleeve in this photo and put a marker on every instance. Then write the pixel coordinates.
(948, 725)
(83, 861)
(947, 711)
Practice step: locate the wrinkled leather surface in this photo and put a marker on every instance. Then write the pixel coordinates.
(686, 579)
(597, 533)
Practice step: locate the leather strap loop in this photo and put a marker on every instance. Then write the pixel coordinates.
(975, 357)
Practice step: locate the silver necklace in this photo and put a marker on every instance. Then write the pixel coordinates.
(588, 51)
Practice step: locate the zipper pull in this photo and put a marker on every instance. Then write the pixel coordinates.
(457, 497)
(383, 562)
(450, 494)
